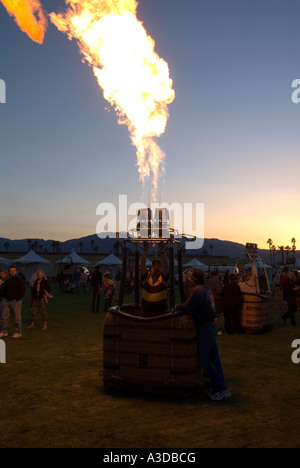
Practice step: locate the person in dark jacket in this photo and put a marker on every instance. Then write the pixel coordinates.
(40, 289)
(289, 296)
(232, 302)
(200, 304)
(3, 278)
(14, 293)
(96, 282)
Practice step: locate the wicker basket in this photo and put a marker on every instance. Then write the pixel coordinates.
(157, 354)
(256, 314)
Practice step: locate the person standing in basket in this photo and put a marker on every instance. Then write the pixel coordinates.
(155, 283)
(14, 293)
(40, 289)
(200, 304)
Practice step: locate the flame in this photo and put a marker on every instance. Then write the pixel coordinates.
(29, 16)
(134, 79)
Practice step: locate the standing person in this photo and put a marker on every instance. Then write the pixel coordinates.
(187, 281)
(61, 280)
(96, 282)
(226, 277)
(14, 293)
(118, 281)
(200, 304)
(109, 289)
(289, 295)
(232, 302)
(22, 274)
(39, 291)
(3, 278)
(31, 283)
(76, 280)
(155, 283)
(83, 281)
(216, 286)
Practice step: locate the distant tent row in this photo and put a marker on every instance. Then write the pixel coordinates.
(75, 259)
(196, 264)
(31, 261)
(4, 262)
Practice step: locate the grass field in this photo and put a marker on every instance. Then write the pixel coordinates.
(52, 394)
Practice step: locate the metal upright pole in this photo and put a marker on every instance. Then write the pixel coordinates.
(123, 276)
(171, 277)
(180, 275)
(137, 276)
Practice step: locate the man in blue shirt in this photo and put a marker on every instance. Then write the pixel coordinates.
(200, 304)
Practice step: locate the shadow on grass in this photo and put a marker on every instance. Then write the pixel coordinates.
(195, 397)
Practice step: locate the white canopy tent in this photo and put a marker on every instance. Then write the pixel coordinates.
(31, 262)
(260, 265)
(75, 259)
(224, 268)
(196, 264)
(4, 262)
(110, 260)
(297, 262)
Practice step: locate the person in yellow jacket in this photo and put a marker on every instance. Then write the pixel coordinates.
(155, 283)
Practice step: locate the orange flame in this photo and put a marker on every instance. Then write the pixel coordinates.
(29, 16)
(134, 79)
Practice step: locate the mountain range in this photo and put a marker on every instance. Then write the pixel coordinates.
(93, 244)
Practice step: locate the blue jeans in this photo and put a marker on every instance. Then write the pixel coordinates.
(15, 308)
(208, 355)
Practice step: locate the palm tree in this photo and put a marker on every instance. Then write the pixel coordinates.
(287, 248)
(34, 245)
(293, 241)
(281, 248)
(273, 254)
(29, 244)
(210, 248)
(6, 245)
(80, 245)
(55, 245)
(96, 248)
(270, 242)
(92, 244)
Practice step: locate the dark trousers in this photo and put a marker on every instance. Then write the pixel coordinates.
(291, 312)
(208, 355)
(96, 299)
(232, 322)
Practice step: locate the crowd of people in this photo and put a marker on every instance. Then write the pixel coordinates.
(206, 299)
(227, 295)
(290, 287)
(12, 291)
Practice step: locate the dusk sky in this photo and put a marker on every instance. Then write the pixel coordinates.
(231, 142)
